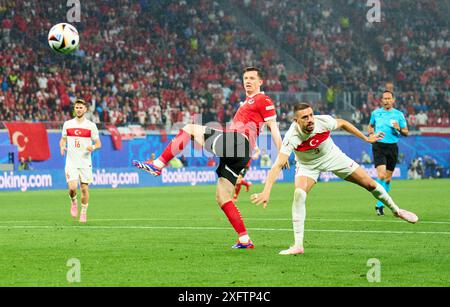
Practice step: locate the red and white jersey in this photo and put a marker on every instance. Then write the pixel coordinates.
(251, 116)
(315, 148)
(79, 137)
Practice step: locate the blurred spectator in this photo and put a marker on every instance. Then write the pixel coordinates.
(365, 158)
(184, 160)
(357, 118)
(265, 161)
(23, 166)
(421, 118)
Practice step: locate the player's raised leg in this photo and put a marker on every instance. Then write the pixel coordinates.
(73, 198)
(303, 185)
(224, 194)
(176, 146)
(84, 201)
(360, 177)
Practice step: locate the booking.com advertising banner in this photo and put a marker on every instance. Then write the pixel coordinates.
(131, 177)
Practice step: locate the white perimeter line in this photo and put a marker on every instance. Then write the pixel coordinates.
(249, 219)
(86, 227)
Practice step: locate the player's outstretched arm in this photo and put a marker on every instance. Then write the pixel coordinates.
(263, 198)
(343, 124)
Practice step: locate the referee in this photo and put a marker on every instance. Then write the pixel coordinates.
(392, 123)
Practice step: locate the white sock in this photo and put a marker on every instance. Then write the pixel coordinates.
(244, 239)
(298, 216)
(158, 163)
(381, 194)
(84, 208)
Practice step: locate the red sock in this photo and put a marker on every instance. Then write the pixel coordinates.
(245, 183)
(235, 218)
(175, 146)
(237, 189)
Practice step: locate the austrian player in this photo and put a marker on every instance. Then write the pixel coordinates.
(315, 152)
(78, 134)
(241, 179)
(232, 146)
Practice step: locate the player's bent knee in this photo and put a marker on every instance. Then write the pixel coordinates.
(299, 195)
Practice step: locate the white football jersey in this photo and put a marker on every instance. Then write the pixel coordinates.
(315, 148)
(79, 137)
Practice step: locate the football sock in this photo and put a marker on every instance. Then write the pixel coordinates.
(84, 208)
(74, 198)
(234, 216)
(380, 193)
(245, 183)
(175, 147)
(298, 216)
(387, 186)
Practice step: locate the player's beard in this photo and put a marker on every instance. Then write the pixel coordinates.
(309, 128)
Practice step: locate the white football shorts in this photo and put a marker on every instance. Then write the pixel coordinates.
(84, 175)
(340, 165)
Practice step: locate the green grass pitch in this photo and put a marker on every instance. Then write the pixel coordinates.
(177, 236)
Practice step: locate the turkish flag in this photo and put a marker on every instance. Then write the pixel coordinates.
(115, 135)
(31, 140)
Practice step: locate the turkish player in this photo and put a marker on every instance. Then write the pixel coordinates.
(315, 152)
(78, 134)
(232, 146)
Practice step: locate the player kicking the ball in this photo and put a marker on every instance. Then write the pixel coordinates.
(78, 134)
(315, 152)
(241, 179)
(232, 146)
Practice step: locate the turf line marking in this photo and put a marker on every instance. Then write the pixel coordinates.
(250, 219)
(86, 227)
(280, 219)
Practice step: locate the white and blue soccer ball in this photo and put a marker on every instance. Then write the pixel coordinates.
(63, 38)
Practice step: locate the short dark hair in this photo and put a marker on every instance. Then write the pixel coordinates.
(386, 91)
(253, 68)
(79, 100)
(301, 106)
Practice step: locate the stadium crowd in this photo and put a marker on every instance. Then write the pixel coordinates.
(335, 42)
(168, 61)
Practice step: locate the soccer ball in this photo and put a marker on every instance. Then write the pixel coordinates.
(63, 38)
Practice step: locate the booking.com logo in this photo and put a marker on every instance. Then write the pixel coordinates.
(24, 182)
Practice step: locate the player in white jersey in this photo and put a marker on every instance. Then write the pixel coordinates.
(315, 152)
(78, 134)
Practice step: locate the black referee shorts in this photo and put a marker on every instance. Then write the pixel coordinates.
(385, 154)
(233, 149)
